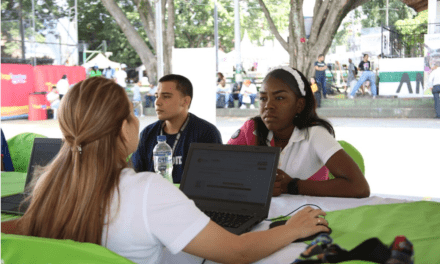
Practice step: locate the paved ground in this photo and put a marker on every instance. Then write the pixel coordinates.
(401, 155)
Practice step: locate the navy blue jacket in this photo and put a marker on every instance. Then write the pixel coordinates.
(197, 130)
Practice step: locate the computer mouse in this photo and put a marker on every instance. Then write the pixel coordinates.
(283, 222)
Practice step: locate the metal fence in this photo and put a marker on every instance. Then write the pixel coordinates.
(396, 42)
(55, 42)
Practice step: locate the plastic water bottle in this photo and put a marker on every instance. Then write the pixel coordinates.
(163, 158)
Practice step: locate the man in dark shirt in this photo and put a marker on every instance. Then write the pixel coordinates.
(367, 75)
(174, 96)
(320, 68)
(235, 95)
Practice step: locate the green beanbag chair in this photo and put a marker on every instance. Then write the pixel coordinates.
(354, 154)
(20, 148)
(36, 250)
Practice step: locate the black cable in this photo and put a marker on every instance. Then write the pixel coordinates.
(292, 212)
(203, 261)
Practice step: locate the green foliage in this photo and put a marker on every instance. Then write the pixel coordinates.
(375, 13)
(372, 14)
(96, 24)
(195, 22)
(412, 32)
(46, 13)
(255, 23)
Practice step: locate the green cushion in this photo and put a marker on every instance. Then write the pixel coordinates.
(418, 221)
(20, 148)
(354, 154)
(36, 250)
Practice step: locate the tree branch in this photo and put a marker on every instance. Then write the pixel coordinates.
(132, 35)
(316, 24)
(272, 27)
(148, 24)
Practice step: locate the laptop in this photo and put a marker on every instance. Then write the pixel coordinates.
(231, 184)
(43, 152)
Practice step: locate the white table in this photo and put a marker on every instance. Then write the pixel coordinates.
(283, 205)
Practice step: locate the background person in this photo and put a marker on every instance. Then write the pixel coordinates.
(320, 77)
(434, 85)
(109, 204)
(351, 79)
(220, 77)
(63, 86)
(316, 90)
(367, 74)
(95, 72)
(54, 99)
(235, 95)
(150, 97)
(121, 76)
(137, 99)
(109, 73)
(248, 90)
(225, 90)
(173, 99)
(309, 150)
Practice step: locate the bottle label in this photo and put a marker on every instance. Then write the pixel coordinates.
(162, 154)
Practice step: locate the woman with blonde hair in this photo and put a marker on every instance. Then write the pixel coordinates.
(89, 193)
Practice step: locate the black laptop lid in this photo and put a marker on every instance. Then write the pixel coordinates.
(43, 152)
(242, 174)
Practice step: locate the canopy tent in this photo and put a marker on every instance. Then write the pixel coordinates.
(266, 56)
(102, 62)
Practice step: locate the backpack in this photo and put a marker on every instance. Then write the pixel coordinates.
(355, 71)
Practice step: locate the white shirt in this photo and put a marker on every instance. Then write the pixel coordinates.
(62, 86)
(249, 89)
(52, 97)
(225, 89)
(121, 75)
(152, 213)
(303, 156)
(434, 78)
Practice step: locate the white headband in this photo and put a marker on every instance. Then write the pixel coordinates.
(295, 75)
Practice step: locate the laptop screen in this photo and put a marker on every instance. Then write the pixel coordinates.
(241, 176)
(43, 151)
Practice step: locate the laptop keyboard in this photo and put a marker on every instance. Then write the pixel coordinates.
(227, 219)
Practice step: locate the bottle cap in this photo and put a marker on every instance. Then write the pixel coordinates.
(161, 138)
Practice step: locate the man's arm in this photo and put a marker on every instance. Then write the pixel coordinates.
(210, 135)
(139, 157)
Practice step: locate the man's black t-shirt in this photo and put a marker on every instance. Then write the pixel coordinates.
(320, 64)
(237, 87)
(364, 66)
(197, 130)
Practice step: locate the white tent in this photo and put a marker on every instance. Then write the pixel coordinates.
(102, 62)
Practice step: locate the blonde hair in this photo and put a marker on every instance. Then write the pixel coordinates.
(71, 198)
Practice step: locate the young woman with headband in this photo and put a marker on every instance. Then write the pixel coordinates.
(89, 193)
(309, 150)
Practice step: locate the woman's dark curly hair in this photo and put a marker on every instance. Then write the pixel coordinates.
(307, 118)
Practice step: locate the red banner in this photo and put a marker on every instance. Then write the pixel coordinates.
(17, 83)
(19, 80)
(47, 76)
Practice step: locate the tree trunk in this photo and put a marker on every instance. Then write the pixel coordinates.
(168, 36)
(147, 14)
(327, 17)
(135, 40)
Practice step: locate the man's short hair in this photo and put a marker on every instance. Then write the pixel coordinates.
(320, 55)
(182, 84)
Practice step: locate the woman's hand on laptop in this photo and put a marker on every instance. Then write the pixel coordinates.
(308, 222)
